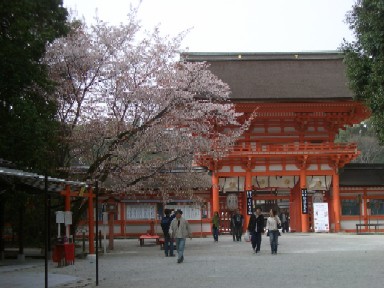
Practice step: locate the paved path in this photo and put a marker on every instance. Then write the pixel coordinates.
(303, 260)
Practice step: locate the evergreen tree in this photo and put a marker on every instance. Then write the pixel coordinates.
(27, 114)
(365, 58)
(364, 135)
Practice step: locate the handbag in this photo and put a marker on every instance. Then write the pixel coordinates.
(278, 226)
(268, 233)
(247, 236)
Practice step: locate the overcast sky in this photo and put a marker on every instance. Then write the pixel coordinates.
(235, 25)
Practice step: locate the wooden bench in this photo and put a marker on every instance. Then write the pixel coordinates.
(358, 227)
(148, 236)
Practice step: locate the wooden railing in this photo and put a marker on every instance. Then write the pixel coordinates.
(296, 149)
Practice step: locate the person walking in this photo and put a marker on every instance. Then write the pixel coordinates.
(238, 221)
(256, 228)
(180, 231)
(216, 226)
(284, 222)
(165, 226)
(272, 223)
(232, 227)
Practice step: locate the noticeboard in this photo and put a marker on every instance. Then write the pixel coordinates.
(59, 217)
(321, 217)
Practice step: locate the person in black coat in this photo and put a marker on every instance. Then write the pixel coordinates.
(165, 226)
(238, 221)
(256, 229)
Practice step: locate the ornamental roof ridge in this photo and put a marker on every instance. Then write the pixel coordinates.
(261, 56)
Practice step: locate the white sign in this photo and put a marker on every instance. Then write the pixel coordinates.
(68, 217)
(141, 211)
(59, 217)
(321, 217)
(190, 212)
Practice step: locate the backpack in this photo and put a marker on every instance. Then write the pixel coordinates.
(165, 224)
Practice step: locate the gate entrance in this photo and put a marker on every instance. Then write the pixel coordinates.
(227, 209)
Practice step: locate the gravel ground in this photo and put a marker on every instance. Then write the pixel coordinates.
(303, 260)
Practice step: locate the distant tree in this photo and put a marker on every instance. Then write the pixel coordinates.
(132, 111)
(365, 137)
(365, 58)
(27, 114)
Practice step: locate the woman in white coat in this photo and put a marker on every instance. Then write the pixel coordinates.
(273, 222)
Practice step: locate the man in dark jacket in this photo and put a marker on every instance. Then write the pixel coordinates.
(168, 240)
(238, 221)
(256, 229)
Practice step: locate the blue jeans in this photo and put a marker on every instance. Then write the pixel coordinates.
(168, 245)
(180, 244)
(274, 239)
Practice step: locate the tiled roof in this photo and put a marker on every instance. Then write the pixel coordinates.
(38, 181)
(279, 76)
(362, 175)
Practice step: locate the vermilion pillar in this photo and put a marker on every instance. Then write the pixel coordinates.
(67, 207)
(336, 201)
(365, 210)
(67, 198)
(122, 216)
(304, 217)
(215, 193)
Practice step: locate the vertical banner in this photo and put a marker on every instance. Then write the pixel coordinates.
(321, 217)
(304, 201)
(249, 202)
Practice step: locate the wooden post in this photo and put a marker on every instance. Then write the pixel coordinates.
(365, 203)
(122, 216)
(215, 194)
(91, 222)
(111, 224)
(67, 208)
(67, 198)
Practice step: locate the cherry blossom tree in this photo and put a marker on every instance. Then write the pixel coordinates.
(135, 113)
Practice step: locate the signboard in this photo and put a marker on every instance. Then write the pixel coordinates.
(321, 217)
(68, 217)
(304, 201)
(249, 202)
(59, 217)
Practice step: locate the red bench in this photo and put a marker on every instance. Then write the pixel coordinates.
(148, 236)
